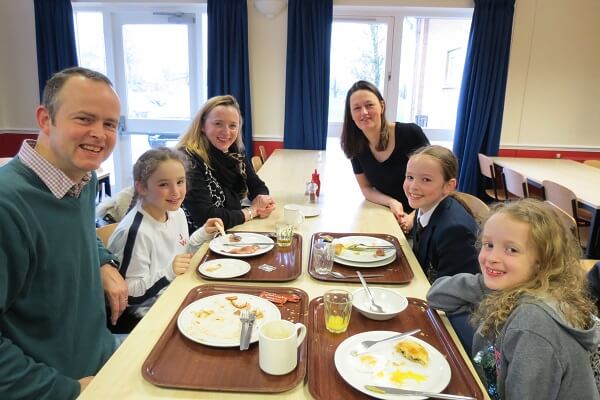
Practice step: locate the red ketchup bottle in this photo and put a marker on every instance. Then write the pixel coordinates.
(315, 179)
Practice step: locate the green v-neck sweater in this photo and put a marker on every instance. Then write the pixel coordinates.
(52, 316)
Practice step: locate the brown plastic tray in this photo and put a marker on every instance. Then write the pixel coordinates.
(286, 260)
(398, 271)
(324, 382)
(178, 362)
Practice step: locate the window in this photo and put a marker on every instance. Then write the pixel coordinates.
(414, 56)
(155, 58)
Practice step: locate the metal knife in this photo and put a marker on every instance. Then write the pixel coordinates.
(248, 244)
(406, 392)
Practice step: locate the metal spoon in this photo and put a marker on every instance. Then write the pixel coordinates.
(374, 306)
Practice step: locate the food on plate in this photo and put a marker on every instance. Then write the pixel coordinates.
(232, 300)
(398, 377)
(222, 318)
(280, 299)
(235, 238)
(379, 252)
(338, 249)
(213, 268)
(244, 250)
(203, 313)
(413, 351)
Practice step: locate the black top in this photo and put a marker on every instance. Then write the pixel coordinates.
(388, 176)
(209, 196)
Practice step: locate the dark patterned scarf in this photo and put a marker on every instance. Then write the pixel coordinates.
(229, 169)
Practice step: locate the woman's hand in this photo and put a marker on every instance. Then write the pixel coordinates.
(396, 209)
(263, 205)
(407, 222)
(212, 225)
(181, 263)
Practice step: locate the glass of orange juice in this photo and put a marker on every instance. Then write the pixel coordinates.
(338, 308)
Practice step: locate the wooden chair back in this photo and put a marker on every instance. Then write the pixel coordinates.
(593, 163)
(263, 153)
(561, 196)
(256, 162)
(478, 208)
(568, 221)
(105, 231)
(488, 170)
(515, 183)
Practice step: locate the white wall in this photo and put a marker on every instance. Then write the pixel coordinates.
(553, 92)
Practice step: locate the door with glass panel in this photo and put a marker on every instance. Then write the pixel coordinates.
(155, 59)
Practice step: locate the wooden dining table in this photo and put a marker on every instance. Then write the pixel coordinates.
(582, 179)
(342, 209)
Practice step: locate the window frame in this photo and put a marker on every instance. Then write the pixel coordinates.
(397, 14)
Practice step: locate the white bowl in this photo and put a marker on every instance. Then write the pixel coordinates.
(393, 303)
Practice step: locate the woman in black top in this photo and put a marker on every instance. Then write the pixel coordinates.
(220, 176)
(378, 150)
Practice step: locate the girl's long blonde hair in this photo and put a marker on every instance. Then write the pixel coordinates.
(559, 278)
(194, 140)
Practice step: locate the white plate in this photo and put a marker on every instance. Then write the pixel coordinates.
(364, 256)
(224, 268)
(374, 264)
(217, 244)
(307, 211)
(384, 361)
(214, 321)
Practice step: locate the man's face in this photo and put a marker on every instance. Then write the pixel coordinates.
(83, 132)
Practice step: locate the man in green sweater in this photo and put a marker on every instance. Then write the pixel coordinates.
(53, 335)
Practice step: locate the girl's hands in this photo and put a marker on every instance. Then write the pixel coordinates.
(181, 263)
(213, 225)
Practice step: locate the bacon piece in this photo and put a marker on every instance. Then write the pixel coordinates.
(294, 298)
(273, 297)
(244, 250)
(280, 298)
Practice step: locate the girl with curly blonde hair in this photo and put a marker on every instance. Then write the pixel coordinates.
(535, 320)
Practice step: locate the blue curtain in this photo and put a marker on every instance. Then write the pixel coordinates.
(55, 38)
(307, 74)
(228, 70)
(481, 102)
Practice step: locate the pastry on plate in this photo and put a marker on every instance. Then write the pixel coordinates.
(413, 351)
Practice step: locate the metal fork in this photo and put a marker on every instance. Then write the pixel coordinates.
(367, 344)
(249, 317)
(245, 318)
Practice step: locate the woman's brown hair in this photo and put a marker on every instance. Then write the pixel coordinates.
(353, 140)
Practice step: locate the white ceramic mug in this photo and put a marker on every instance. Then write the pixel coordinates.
(292, 214)
(278, 343)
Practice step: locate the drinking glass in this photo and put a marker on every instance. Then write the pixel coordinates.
(338, 307)
(284, 233)
(322, 257)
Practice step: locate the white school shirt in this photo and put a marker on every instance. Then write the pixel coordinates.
(154, 246)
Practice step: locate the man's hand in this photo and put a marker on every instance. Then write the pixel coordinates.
(115, 289)
(83, 382)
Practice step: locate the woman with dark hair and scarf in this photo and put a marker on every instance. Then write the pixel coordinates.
(220, 176)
